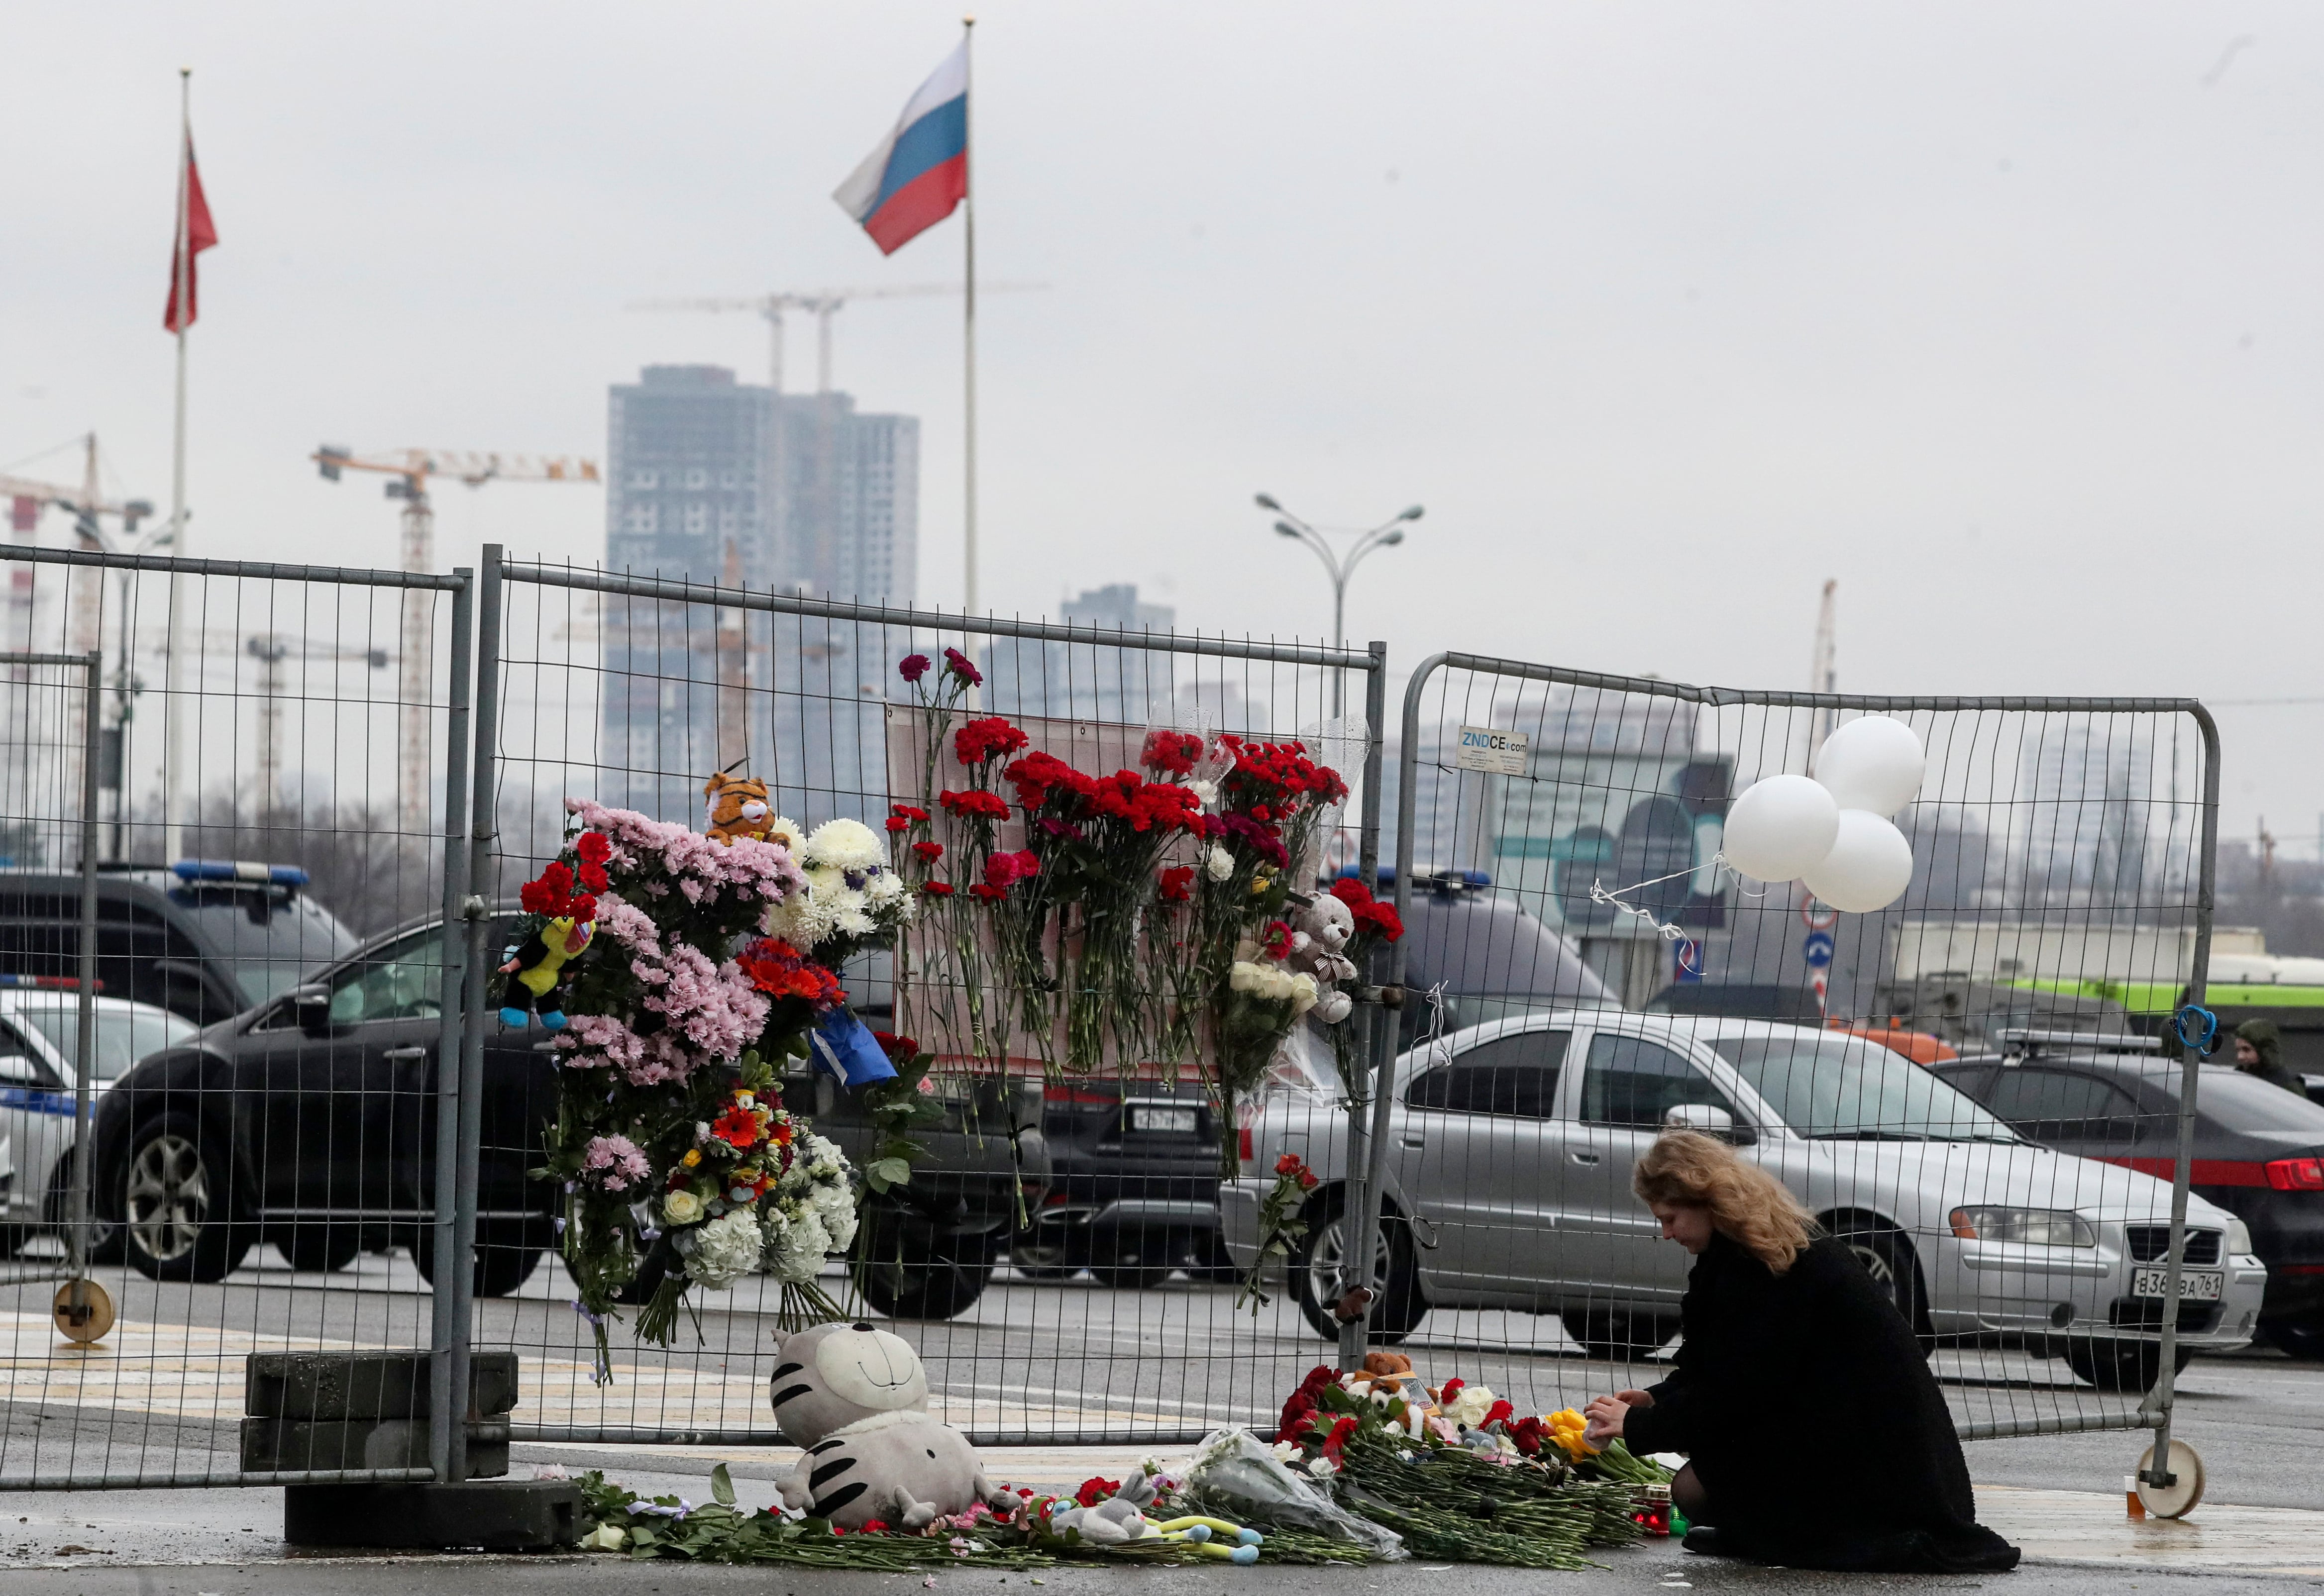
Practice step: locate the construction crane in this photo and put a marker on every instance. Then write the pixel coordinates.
(270, 649)
(88, 505)
(822, 304)
(1823, 670)
(407, 472)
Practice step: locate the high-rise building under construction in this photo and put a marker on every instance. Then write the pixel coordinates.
(717, 482)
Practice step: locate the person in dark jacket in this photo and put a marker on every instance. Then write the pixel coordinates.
(2259, 1051)
(1816, 1436)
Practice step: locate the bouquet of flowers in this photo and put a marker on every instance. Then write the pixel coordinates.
(851, 900)
(679, 1164)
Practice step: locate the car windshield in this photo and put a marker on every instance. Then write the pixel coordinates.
(266, 939)
(126, 1032)
(1846, 1088)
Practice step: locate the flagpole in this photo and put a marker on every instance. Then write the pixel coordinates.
(968, 327)
(173, 712)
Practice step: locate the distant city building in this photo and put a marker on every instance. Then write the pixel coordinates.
(716, 481)
(1088, 681)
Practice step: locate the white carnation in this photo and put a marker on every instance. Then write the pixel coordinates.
(723, 1251)
(846, 845)
(1218, 864)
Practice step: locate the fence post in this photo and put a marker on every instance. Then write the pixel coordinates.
(476, 906)
(2160, 1400)
(448, 1331)
(1360, 1219)
(84, 1037)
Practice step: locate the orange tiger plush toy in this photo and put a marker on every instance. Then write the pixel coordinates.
(737, 807)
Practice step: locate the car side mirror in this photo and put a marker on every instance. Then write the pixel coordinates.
(1710, 1119)
(312, 1004)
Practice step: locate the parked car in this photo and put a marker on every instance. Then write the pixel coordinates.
(1133, 1186)
(40, 1039)
(204, 938)
(1510, 1147)
(1490, 955)
(309, 1121)
(2259, 1151)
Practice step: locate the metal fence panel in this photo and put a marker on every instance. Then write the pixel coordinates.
(267, 1189)
(1058, 1256)
(1976, 1087)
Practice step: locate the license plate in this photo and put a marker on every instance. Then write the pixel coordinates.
(2195, 1285)
(1148, 1116)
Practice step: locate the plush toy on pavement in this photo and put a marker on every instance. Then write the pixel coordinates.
(737, 806)
(856, 1398)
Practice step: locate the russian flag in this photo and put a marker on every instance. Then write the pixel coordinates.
(919, 172)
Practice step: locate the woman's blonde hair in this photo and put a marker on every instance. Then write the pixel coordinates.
(1747, 1204)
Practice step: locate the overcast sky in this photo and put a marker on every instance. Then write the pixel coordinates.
(2006, 316)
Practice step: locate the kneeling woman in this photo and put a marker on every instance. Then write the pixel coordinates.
(1792, 1351)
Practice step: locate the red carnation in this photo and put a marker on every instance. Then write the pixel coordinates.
(1007, 869)
(1174, 753)
(1094, 1490)
(984, 893)
(1177, 884)
(936, 889)
(912, 666)
(896, 824)
(928, 851)
(592, 848)
(992, 738)
(960, 665)
(975, 805)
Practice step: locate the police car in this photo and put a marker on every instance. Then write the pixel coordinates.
(39, 1036)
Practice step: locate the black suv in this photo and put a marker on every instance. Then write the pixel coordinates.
(203, 938)
(309, 1121)
(2259, 1149)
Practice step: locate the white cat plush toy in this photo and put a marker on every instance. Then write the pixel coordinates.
(857, 1400)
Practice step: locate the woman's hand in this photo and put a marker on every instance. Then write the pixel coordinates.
(1605, 1415)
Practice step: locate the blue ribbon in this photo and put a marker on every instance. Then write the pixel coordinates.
(2192, 1017)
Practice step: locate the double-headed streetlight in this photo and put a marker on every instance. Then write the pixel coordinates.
(1386, 535)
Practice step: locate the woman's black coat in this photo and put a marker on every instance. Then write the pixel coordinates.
(1806, 1404)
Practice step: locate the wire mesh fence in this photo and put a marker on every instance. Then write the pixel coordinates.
(322, 1218)
(262, 1191)
(1056, 1253)
(1974, 1086)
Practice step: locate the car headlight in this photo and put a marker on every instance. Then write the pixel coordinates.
(2239, 1241)
(2033, 1228)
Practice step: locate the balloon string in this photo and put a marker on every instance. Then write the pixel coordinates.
(1669, 929)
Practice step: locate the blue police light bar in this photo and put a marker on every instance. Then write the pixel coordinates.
(239, 870)
(48, 983)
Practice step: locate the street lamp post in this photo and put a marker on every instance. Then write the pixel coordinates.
(1387, 534)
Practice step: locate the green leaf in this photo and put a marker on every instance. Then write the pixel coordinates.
(881, 1174)
(722, 1485)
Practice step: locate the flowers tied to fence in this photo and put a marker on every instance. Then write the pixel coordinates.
(680, 1167)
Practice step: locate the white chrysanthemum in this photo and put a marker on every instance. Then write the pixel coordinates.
(884, 888)
(724, 1250)
(846, 845)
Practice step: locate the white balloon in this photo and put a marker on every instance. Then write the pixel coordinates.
(1874, 764)
(1869, 865)
(1780, 826)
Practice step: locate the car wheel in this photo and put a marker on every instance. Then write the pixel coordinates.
(2130, 1367)
(1320, 1277)
(177, 1199)
(105, 1240)
(504, 1261)
(913, 1273)
(1887, 1255)
(2296, 1340)
(320, 1248)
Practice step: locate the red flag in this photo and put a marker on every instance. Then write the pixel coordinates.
(199, 234)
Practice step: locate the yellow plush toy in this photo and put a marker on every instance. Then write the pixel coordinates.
(539, 965)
